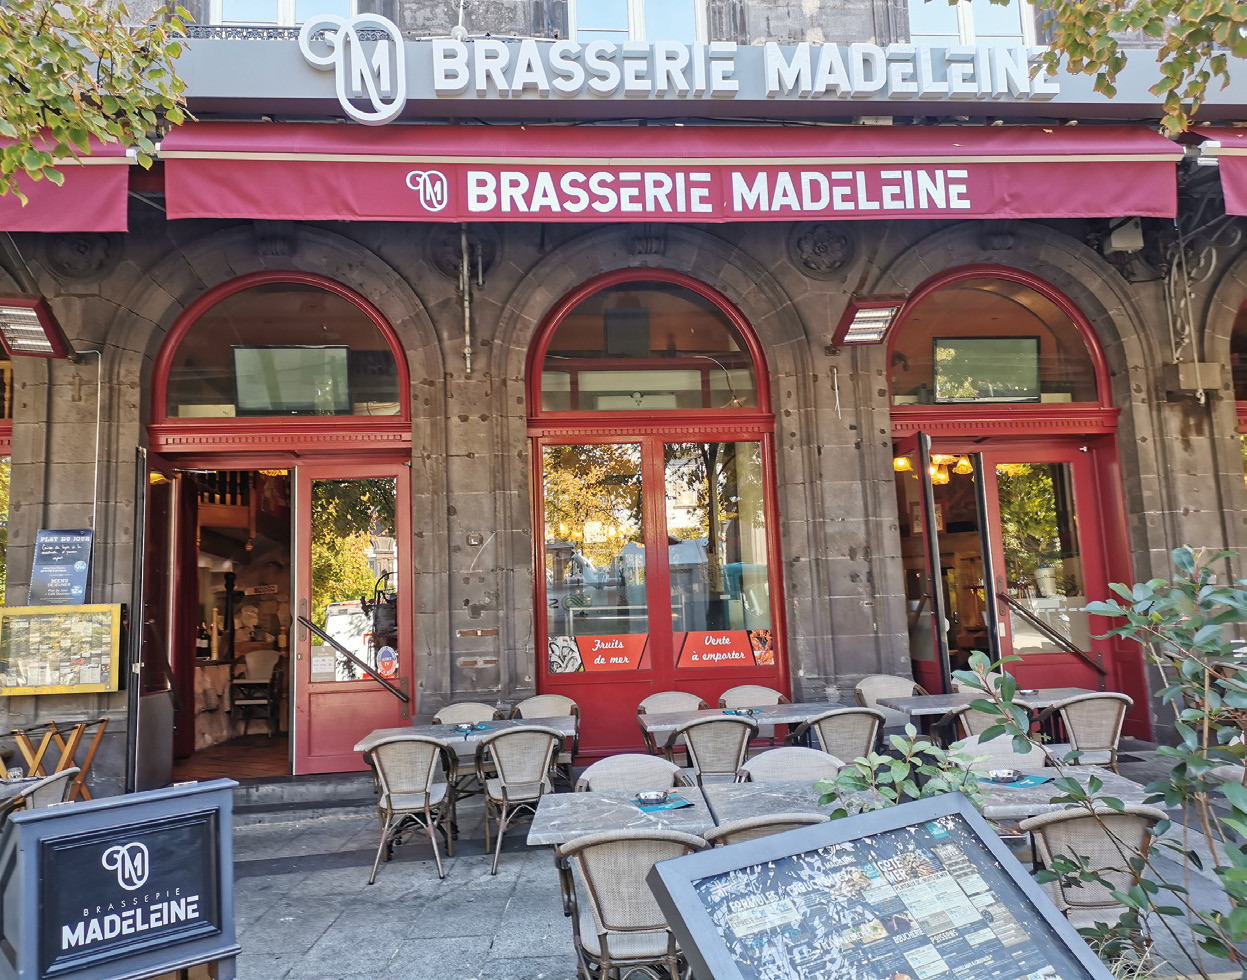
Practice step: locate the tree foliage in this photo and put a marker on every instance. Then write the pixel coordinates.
(1195, 38)
(74, 72)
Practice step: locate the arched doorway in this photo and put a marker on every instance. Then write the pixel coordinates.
(278, 489)
(657, 546)
(1007, 480)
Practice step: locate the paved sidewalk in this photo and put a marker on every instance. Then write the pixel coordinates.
(305, 910)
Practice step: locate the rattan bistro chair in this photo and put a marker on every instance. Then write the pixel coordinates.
(717, 746)
(631, 772)
(753, 696)
(415, 778)
(1108, 841)
(513, 765)
(665, 701)
(1093, 723)
(999, 753)
(617, 926)
(846, 733)
(789, 762)
(971, 721)
(875, 686)
(751, 828)
(464, 712)
(554, 706)
(49, 791)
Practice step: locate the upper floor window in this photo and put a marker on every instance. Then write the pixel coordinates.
(276, 13)
(283, 348)
(637, 20)
(990, 340)
(644, 345)
(937, 22)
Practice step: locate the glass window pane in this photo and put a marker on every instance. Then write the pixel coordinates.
(248, 11)
(671, 20)
(599, 16)
(595, 558)
(931, 18)
(354, 556)
(1238, 356)
(1043, 566)
(641, 346)
(307, 9)
(990, 309)
(997, 21)
(283, 349)
(716, 526)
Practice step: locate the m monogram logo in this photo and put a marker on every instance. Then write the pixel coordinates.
(131, 863)
(329, 42)
(432, 187)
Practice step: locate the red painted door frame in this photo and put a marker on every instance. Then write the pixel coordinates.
(608, 700)
(330, 717)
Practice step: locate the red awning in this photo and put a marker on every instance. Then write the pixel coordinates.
(1231, 157)
(92, 198)
(670, 173)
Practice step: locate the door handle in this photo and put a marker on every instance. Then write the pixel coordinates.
(303, 613)
(406, 704)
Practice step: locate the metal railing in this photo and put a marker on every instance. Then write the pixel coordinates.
(369, 672)
(1051, 634)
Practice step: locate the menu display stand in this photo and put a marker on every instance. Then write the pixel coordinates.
(919, 891)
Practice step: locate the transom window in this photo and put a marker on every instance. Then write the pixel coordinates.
(984, 341)
(276, 13)
(641, 346)
(637, 20)
(283, 348)
(936, 22)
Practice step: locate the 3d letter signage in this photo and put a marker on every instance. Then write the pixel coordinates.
(378, 75)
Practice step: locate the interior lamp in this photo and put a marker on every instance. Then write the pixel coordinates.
(28, 328)
(939, 475)
(867, 319)
(964, 467)
(902, 464)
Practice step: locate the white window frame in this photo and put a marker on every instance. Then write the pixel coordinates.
(285, 15)
(965, 21)
(636, 20)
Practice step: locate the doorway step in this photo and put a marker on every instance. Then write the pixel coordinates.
(295, 799)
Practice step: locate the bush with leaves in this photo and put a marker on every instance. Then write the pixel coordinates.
(71, 73)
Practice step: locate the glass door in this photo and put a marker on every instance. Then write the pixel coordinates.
(657, 575)
(353, 639)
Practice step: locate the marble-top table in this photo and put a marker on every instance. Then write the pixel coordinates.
(561, 817)
(1005, 802)
(926, 705)
(661, 724)
(730, 802)
(465, 747)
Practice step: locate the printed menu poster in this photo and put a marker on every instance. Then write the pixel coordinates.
(926, 902)
(61, 568)
(52, 650)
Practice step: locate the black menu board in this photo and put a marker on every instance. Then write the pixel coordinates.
(923, 891)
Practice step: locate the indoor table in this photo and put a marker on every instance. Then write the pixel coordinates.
(730, 802)
(561, 817)
(1005, 802)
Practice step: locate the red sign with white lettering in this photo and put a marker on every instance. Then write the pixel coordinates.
(704, 649)
(620, 652)
(583, 174)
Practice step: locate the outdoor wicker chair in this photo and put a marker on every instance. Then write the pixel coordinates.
(998, 753)
(1093, 723)
(846, 733)
(415, 776)
(1108, 841)
(753, 696)
(513, 764)
(665, 701)
(49, 791)
(994, 679)
(875, 686)
(751, 828)
(971, 721)
(789, 762)
(717, 746)
(554, 706)
(617, 926)
(631, 772)
(464, 712)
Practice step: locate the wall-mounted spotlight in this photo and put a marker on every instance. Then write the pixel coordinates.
(867, 319)
(28, 328)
